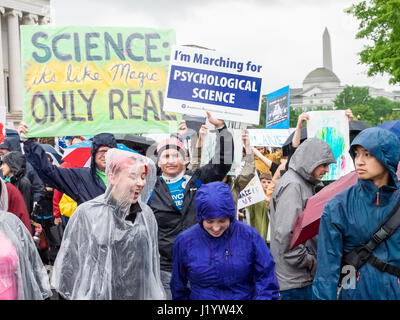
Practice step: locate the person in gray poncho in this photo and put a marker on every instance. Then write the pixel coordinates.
(22, 274)
(110, 249)
(296, 267)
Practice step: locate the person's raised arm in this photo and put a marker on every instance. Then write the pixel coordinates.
(222, 160)
(62, 179)
(297, 134)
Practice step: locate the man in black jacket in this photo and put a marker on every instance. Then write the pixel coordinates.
(172, 200)
(81, 184)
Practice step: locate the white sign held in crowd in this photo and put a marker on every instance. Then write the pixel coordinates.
(268, 137)
(252, 194)
(202, 80)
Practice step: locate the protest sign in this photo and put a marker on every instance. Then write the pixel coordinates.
(210, 141)
(269, 137)
(333, 127)
(202, 80)
(277, 110)
(252, 194)
(87, 80)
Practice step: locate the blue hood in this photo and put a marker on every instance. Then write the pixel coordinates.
(214, 200)
(383, 145)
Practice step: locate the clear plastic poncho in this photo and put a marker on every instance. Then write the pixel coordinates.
(22, 274)
(103, 255)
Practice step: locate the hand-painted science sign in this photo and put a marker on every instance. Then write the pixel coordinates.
(87, 80)
(204, 80)
(333, 128)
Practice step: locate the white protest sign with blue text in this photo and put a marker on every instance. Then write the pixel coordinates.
(268, 137)
(202, 80)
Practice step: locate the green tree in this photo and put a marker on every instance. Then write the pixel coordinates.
(352, 96)
(365, 113)
(379, 24)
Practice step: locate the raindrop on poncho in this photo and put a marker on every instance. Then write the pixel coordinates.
(22, 274)
(110, 245)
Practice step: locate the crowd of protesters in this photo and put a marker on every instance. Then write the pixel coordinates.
(163, 226)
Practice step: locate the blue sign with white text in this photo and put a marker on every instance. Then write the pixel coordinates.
(216, 88)
(278, 111)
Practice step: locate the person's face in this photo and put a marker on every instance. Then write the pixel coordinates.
(261, 149)
(128, 184)
(75, 140)
(171, 162)
(216, 227)
(100, 158)
(5, 169)
(320, 171)
(368, 167)
(3, 152)
(265, 184)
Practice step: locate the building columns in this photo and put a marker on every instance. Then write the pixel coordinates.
(14, 61)
(2, 83)
(29, 19)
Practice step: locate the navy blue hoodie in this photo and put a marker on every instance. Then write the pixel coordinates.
(81, 184)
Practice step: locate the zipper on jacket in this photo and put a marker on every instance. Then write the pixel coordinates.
(377, 198)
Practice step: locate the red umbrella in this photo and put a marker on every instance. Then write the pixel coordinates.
(307, 223)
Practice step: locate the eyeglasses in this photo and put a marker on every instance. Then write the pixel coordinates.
(101, 152)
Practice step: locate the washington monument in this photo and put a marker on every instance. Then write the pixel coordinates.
(326, 49)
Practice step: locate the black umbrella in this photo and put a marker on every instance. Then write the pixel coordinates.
(303, 136)
(358, 125)
(50, 149)
(135, 142)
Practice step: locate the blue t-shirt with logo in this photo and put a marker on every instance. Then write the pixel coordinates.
(177, 190)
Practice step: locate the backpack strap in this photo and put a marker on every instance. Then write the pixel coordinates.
(363, 254)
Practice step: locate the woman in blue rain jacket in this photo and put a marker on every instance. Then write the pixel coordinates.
(349, 220)
(232, 263)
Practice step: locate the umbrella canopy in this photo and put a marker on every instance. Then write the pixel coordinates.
(53, 152)
(392, 125)
(135, 142)
(79, 154)
(303, 136)
(307, 223)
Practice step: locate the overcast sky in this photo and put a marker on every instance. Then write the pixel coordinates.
(284, 35)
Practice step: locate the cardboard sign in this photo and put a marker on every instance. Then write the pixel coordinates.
(204, 80)
(87, 80)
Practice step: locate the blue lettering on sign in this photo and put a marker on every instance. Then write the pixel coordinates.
(217, 88)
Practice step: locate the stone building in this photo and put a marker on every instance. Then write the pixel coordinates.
(13, 14)
(322, 85)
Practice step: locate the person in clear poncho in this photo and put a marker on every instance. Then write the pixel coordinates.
(22, 274)
(110, 248)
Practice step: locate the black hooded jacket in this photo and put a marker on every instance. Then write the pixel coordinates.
(12, 143)
(17, 164)
(81, 184)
